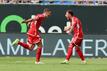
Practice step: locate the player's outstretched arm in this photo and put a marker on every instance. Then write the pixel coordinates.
(28, 20)
(69, 28)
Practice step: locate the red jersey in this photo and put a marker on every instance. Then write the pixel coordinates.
(77, 30)
(35, 24)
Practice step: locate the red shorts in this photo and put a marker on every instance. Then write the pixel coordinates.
(76, 41)
(34, 40)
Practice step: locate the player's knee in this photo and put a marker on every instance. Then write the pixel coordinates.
(77, 49)
(39, 45)
(31, 46)
(30, 49)
(71, 45)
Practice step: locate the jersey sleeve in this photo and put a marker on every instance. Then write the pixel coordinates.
(74, 22)
(34, 17)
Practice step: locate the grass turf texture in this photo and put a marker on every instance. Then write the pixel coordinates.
(51, 64)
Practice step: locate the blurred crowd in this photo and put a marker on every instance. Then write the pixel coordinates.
(56, 2)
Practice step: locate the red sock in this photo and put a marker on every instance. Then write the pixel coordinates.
(26, 46)
(69, 53)
(38, 54)
(80, 53)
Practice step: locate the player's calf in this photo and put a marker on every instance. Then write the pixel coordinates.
(26, 46)
(80, 54)
(38, 52)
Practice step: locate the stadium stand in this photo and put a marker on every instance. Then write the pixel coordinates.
(56, 2)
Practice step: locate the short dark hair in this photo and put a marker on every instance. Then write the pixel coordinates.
(70, 12)
(46, 10)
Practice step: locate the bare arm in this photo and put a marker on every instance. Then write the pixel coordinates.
(28, 20)
(66, 28)
(34, 18)
(73, 25)
(70, 28)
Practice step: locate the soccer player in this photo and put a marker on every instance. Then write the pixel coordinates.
(76, 28)
(33, 34)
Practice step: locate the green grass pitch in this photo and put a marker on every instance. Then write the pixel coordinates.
(51, 64)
